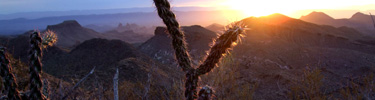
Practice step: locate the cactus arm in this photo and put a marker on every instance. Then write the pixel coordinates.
(179, 45)
(35, 66)
(191, 85)
(10, 82)
(221, 46)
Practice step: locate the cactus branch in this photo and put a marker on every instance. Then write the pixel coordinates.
(221, 46)
(35, 66)
(178, 38)
(10, 82)
(191, 85)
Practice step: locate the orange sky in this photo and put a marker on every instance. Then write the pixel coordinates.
(292, 8)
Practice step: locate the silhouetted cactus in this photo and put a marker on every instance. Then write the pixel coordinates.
(10, 83)
(221, 46)
(35, 66)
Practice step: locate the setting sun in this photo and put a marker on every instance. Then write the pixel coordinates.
(291, 7)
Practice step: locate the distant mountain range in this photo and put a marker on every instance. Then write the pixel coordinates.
(148, 19)
(360, 21)
(70, 33)
(41, 14)
(275, 52)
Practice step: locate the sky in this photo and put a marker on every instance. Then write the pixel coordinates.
(14, 6)
(249, 7)
(295, 8)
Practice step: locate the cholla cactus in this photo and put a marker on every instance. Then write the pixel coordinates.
(49, 38)
(35, 66)
(221, 46)
(206, 93)
(9, 80)
(178, 38)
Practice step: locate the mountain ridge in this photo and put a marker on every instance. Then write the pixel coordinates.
(148, 19)
(358, 21)
(275, 55)
(70, 33)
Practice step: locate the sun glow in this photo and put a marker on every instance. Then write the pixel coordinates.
(259, 8)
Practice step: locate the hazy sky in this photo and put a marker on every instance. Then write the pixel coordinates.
(250, 7)
(13, 6)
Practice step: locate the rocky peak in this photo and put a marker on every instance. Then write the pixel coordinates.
(215, 27)
(359, 16)
(161, 31)
(275, 19)
(65, 24)
(317, 15)
(70, 32)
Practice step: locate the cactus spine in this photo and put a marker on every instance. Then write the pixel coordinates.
(10, 82)
(221, 46)
(35, 66)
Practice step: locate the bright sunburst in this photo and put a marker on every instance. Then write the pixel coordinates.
(288, 7)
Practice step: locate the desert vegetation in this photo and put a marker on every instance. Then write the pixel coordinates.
(218, 76)
(37, 43)
(217, 51)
